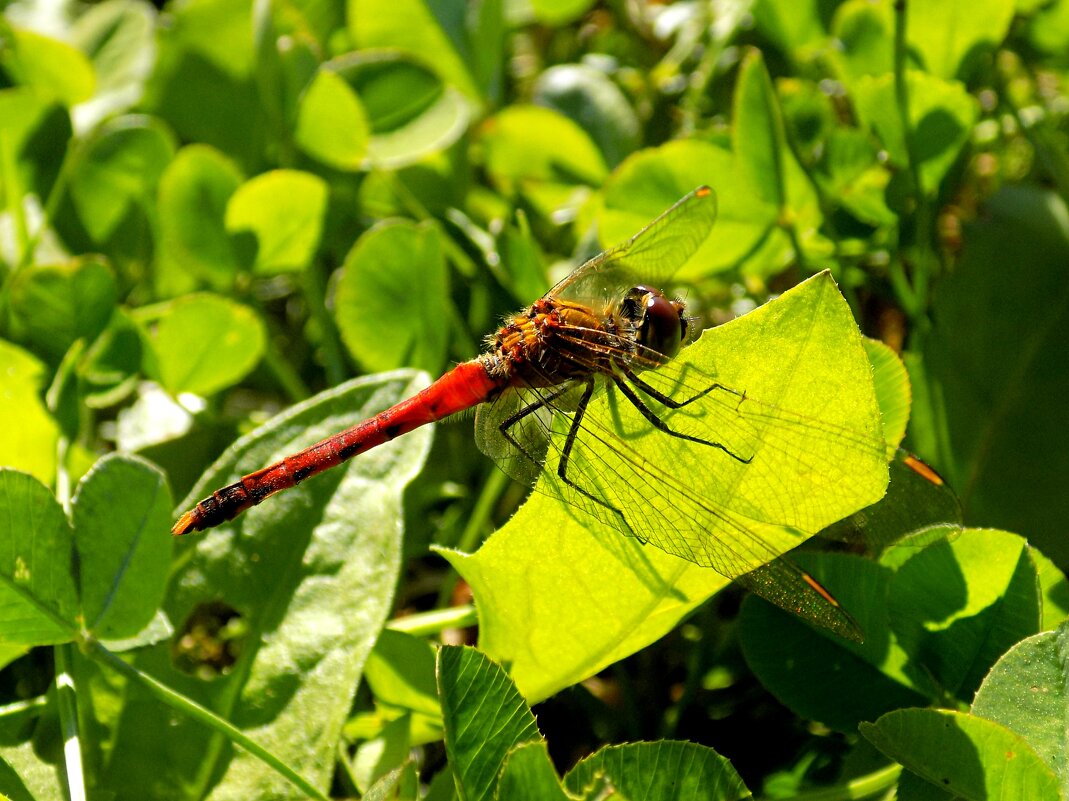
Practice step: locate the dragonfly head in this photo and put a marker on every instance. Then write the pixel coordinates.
(660, 324)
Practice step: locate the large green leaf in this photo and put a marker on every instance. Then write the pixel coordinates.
(283, 212)
(194, 192)
(31, 444)
(121, 510)
(384, 322)
(38, 604)
(958, 605)
(204, 343)
(665, 770)
(52, 306)
(560, 597)
(305, 581)
(968, 756)
(485, 718)
(1026, 692)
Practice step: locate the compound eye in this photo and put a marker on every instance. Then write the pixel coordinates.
(661, 329)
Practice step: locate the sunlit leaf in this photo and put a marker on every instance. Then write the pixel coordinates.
(485, 717)
(50, 66)
(865, 31)
(947, 34)
(384, 323)
(795, 26)
(968, 756)
(308, 577)
(941, 114)
(663, 769)
(892, 390)
(651, 180)
(411, 27)
(121, 512)
(331, 124)
(541, 153)
(203, 343)
(31, 444)
(560, 600)
(959, 605)
(194, 192)
(282, 212)
(38, 604)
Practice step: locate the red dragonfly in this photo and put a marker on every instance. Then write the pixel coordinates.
(607, 325)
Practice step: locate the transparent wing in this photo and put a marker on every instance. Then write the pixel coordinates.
(770, 480)
(652, 256)
(514, 429)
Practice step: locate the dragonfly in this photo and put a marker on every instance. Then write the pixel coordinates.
(609, 328)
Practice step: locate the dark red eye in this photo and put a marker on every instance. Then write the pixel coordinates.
(661, 327)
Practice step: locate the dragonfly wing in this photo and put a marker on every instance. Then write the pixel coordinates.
(652, 256)
(789, 587)
(769, 481)
(515, 429)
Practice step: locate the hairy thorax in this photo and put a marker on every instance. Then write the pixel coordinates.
(555, 341)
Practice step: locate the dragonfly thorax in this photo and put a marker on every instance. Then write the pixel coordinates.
(555, 341)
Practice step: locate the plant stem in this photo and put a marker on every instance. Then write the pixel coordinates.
(74, 769)
(315, 295)
(874, 783)
(288, 378)
(477, 524)
(912, 294)
(425, 624)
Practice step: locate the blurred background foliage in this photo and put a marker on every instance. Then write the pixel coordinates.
(213, 209)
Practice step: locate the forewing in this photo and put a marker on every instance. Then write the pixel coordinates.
(652, 256)
(768, 481)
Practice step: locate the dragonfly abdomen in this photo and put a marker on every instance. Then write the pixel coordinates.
(466, 385)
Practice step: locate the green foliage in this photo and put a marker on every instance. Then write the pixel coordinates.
(497, 752)
(216, 212)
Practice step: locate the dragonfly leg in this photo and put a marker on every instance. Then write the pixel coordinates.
(565, 456)
(671, 402)
(660, 424)
(530, 409)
